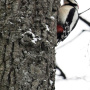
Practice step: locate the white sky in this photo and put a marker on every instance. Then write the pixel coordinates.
(74, 58)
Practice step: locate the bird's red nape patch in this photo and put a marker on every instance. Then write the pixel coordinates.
(59, 29)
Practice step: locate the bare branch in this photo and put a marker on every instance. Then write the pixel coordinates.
(84, 20)
(83, 11)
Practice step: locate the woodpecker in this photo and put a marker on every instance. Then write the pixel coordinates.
(67, 19)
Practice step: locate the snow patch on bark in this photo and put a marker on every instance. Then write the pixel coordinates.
(34, 38)
(52, 17)
(47, 28)
(51, 82)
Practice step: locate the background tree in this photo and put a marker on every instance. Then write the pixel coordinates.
(27, 42)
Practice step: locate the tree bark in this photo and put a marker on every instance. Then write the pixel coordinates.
(27, 43)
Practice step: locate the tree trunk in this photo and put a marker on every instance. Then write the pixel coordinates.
(27, 42)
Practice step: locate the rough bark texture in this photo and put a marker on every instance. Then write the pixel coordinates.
(27, 42)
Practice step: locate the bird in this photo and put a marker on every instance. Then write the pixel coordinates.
(67, 19)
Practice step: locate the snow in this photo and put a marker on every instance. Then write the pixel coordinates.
(73, 56)
(35, 38)
(47, 28)
(51, 82)
(30, 32)
(72, 84)
(44, 80)
(52, 17)
(11, 22)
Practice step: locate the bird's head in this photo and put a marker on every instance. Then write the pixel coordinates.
(72, 2)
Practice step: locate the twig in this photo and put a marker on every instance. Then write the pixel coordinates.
(88, 23)
(83, 11)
